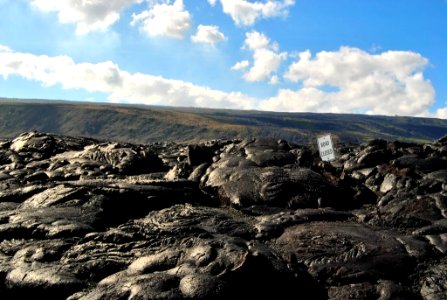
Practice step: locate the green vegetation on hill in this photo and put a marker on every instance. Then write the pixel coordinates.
(144, 124)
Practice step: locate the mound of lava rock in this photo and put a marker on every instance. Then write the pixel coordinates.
(262, 219)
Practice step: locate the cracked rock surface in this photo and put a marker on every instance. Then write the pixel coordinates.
(258, 219)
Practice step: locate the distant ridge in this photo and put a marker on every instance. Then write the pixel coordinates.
(144, 124)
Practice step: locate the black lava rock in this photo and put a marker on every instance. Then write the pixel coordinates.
(258, 218)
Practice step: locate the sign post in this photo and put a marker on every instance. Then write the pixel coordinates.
(326, 148)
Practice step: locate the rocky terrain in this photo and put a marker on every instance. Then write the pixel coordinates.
(262, 219)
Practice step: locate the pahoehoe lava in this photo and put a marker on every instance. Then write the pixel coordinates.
(263, 219)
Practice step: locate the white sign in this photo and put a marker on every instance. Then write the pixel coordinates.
(325, 147)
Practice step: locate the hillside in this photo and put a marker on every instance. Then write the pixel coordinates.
(144, 124)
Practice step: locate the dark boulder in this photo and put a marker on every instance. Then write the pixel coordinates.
(128, 160)
(346, 253)
(34, 270)
(286, 187)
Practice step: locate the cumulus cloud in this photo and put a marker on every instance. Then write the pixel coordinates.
(265, 63)
(122, 86)
(352, 80)
(255, 40)
(87, 15)
(441, 113)
(208, 34)
(266, 58)
(244, 12)
(4, 48)
(240, 65)
(274, 80)
(345, 81)
(302, 100)
(164, 19)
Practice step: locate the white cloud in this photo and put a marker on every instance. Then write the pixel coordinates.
(266, 57)
(122, 86)
(164, 19)
(240, 65)
(255, 40)
(345, 81)
(441, 113)
(4, 48)
(87, 15)
(265, 63)
(352, 80)
(244, 12)
(302, 100)
(274, 80)
(208, 35)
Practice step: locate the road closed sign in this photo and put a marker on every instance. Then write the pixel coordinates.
(326, 148)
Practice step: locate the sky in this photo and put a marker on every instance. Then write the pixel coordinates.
(376, 57)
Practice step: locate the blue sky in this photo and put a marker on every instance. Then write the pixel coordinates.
(342, 56)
